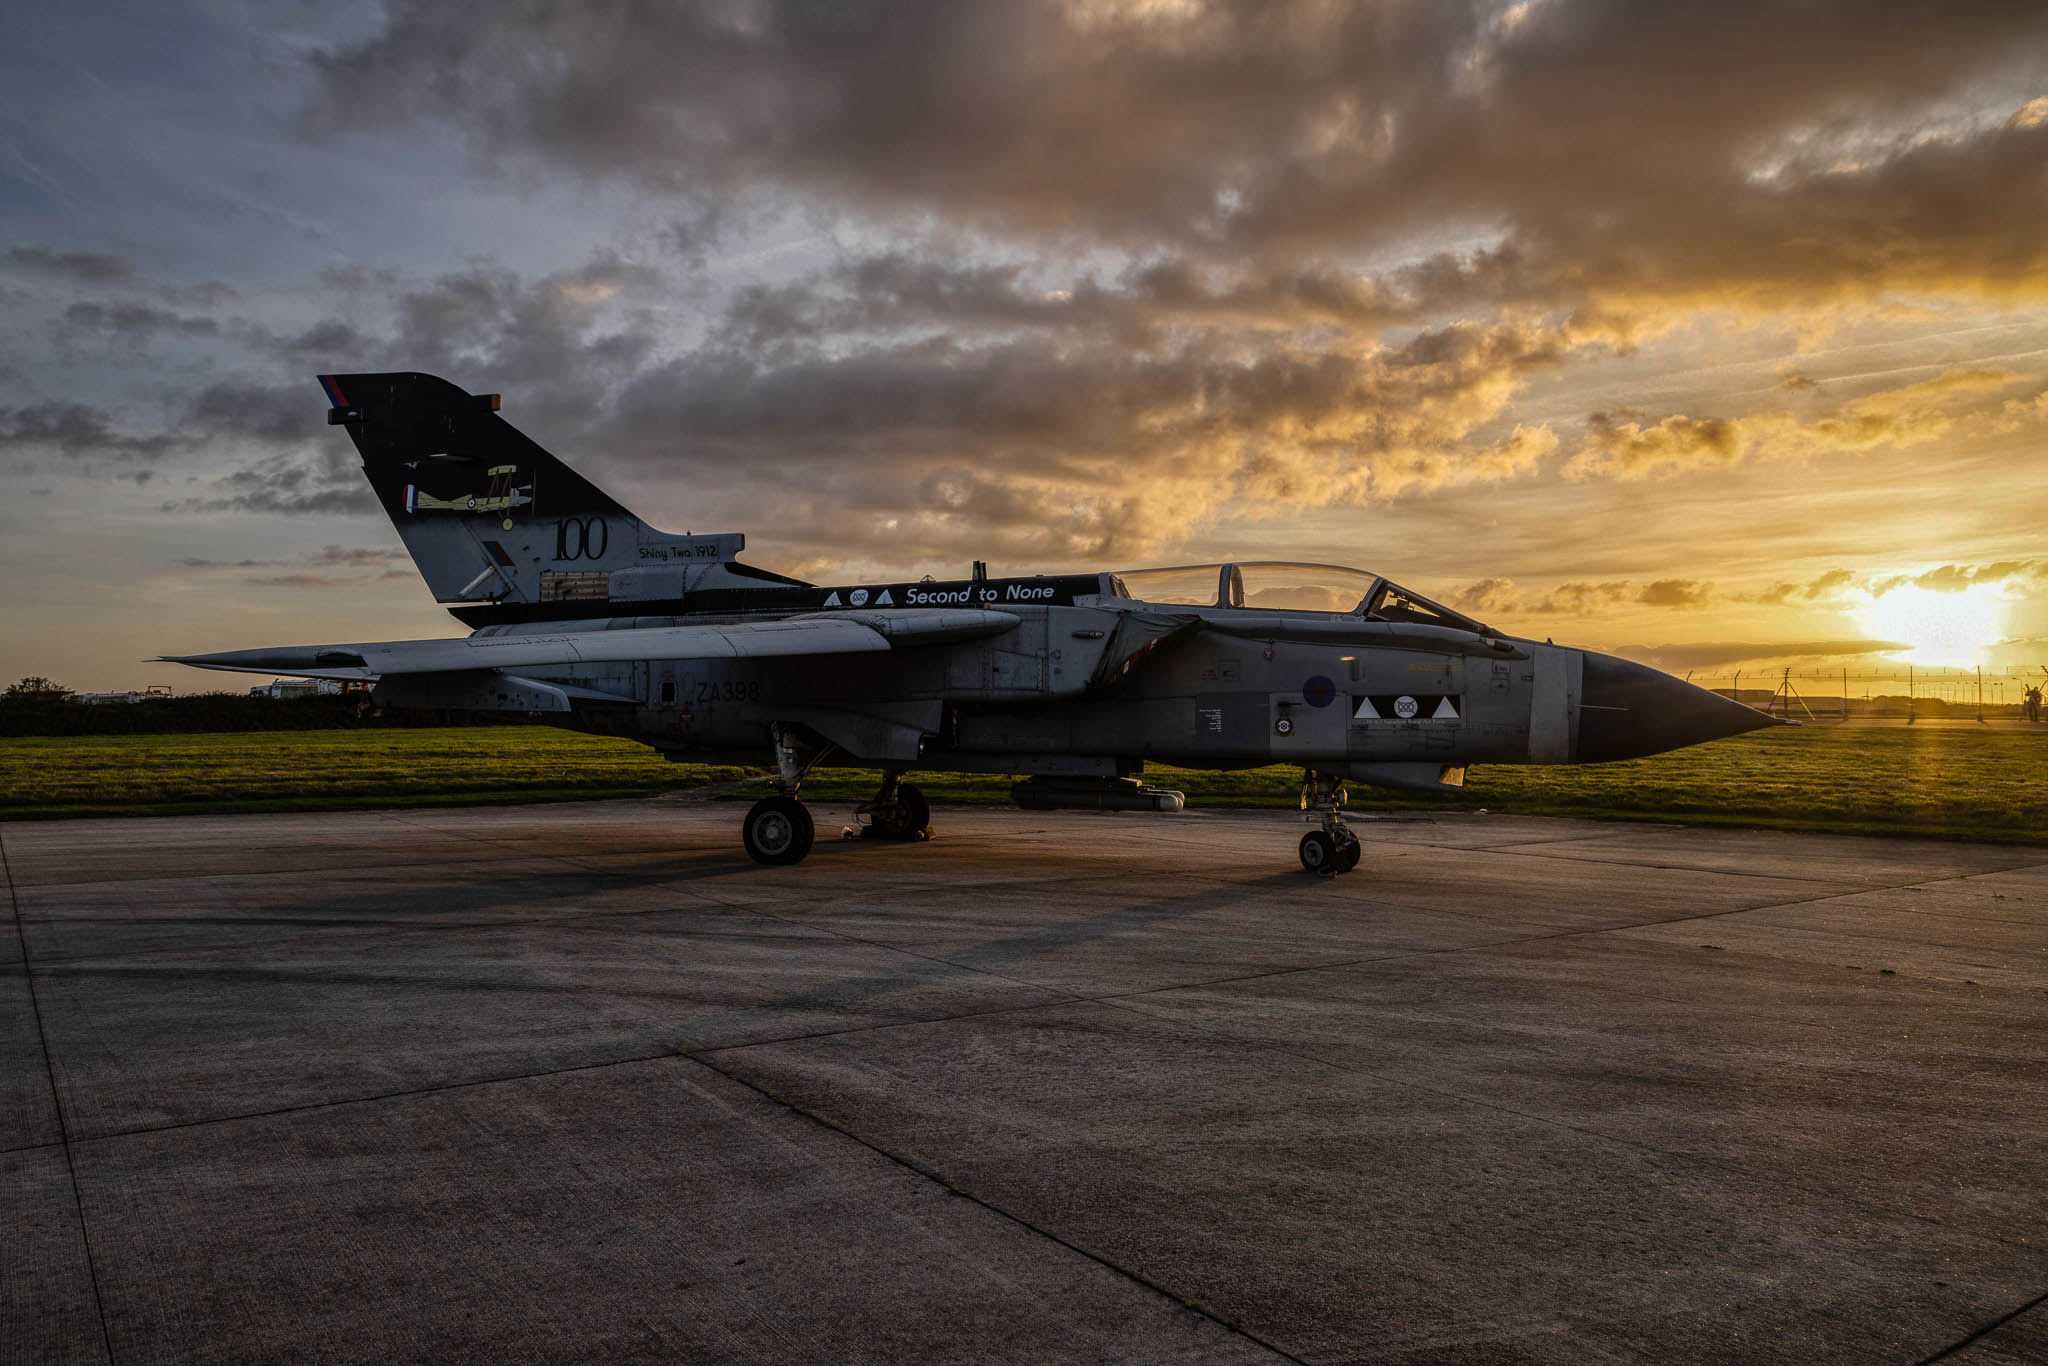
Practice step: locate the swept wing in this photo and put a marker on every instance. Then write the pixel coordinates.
(838, 633)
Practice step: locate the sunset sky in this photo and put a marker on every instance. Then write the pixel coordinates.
(1711, 333)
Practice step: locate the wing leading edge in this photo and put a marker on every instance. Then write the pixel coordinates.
(840, 633)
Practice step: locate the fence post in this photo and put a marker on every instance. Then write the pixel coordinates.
(1909, 695)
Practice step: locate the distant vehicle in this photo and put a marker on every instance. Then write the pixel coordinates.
(129, 698)
(283, 690)
(587, 617)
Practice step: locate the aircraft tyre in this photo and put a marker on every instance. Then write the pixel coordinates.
(1319, 853)
(916, 813)
(905, 820)
(778, 830)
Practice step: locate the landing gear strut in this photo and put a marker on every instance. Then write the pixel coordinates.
(779, 829)
(1333, 849)
(897, 812)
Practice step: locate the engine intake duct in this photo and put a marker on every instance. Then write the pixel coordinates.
(1094, 794)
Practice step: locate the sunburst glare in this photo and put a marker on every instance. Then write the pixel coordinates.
(1952, 629)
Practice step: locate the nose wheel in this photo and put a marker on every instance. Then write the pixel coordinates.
(1330, 852)
(1333, 849)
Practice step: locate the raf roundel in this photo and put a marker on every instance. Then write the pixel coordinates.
(1319, 691)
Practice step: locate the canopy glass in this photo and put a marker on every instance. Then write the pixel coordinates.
(1275, 585)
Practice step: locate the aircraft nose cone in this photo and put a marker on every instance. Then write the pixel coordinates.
(1629, 710)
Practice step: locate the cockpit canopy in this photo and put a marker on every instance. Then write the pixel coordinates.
(1280, 586)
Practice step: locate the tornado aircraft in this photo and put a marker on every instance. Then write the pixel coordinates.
(584, 616)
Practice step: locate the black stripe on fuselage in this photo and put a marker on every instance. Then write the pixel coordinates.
(1042, 590)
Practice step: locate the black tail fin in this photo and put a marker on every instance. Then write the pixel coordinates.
(500, 529)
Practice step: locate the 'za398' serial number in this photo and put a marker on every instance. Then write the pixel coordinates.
(735, 690)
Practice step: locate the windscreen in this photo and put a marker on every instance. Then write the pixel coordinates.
(1395, 603)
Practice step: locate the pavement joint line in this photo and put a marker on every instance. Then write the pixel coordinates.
(1773, 877)
(410, 1093)
(1519, 852)
(1512, 845)
(1983, 1332)
(1877, 943)
(928, 1174)
(698, 1053)
(1707, 1161)
(536, 1074)
(29, 1148)
(28, 976)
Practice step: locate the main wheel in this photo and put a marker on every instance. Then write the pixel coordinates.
(907, 819)
(778, 830)
(1319, 853)
(917, 812)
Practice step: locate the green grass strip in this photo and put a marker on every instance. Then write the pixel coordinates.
(1949, 780)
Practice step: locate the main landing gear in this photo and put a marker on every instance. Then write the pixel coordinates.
(897, 812)
(779, 829)
(1333, 849)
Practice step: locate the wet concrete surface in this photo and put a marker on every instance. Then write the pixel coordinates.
(580, 1082)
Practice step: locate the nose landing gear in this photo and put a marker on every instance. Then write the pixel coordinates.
(1333, 849)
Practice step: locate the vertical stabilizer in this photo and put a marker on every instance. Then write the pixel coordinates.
(500, 529)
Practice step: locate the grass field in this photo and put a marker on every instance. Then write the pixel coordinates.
(1957, 781)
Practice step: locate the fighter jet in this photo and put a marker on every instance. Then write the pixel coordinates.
(584, 616)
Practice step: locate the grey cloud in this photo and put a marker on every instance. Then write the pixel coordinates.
(85, 267)
(1081, 445)
(1818, 587)
(76, 429)
(355, 277)
(329, 344)
(282, 501)
(359, 555)
(330, 557)
(1954, 578)
(137, 319)
(1254, 202)
(211, 294)
(271, 413)
(1676, 593)
(1576, 133)
(1489, 596)
(1582, 597)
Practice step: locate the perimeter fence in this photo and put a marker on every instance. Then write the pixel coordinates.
(1906, 694)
